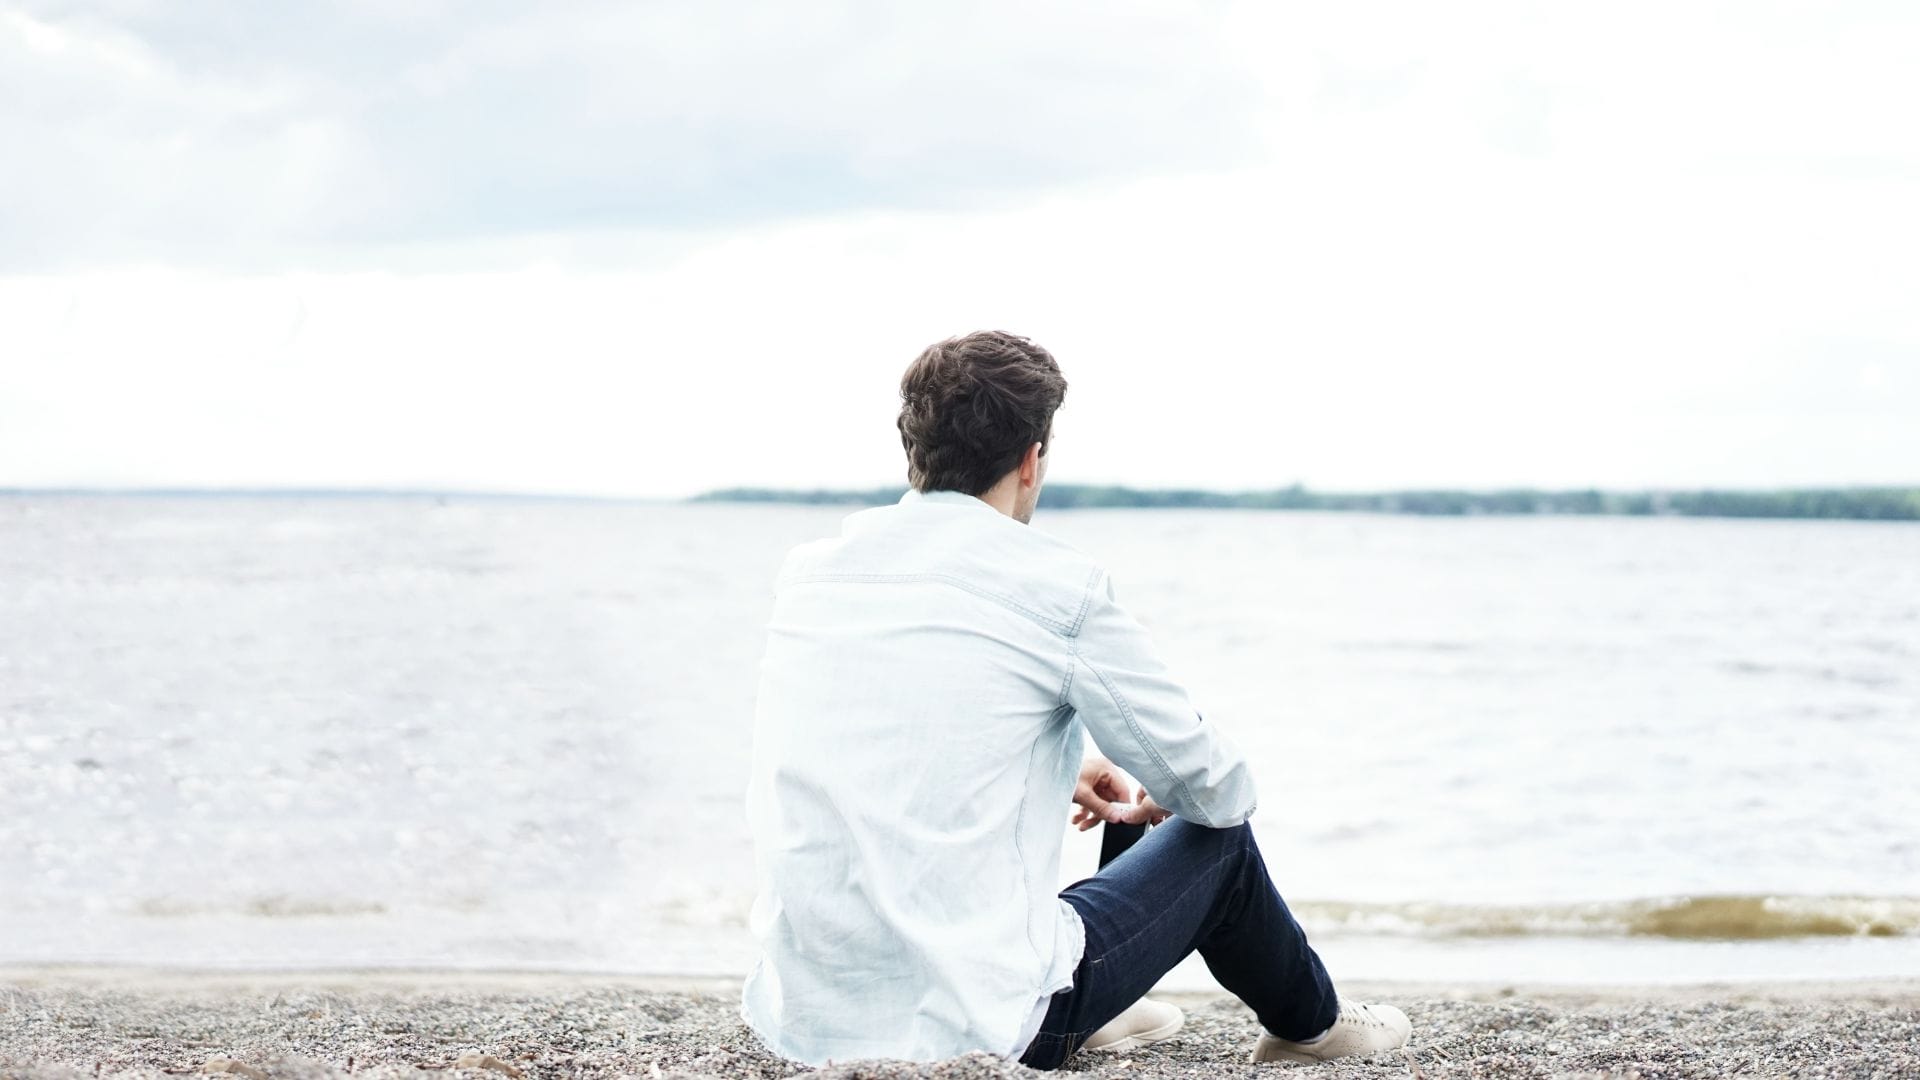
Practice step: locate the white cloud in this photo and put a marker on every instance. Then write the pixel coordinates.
(280, 137)
(1479, 246)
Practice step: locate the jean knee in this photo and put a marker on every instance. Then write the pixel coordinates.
(1232, 839)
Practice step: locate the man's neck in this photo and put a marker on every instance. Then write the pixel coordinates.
(1000, 496)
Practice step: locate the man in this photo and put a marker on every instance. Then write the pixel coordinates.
(928, 678)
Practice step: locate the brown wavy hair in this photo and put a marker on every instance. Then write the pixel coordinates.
(970, 406)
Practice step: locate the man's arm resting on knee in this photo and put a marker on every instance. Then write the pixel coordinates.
(1141, 717)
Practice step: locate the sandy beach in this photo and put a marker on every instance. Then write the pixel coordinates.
(74, 1021)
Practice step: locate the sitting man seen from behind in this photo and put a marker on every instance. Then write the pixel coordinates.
(928, 678)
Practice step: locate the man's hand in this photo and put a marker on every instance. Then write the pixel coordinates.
(1101, 787)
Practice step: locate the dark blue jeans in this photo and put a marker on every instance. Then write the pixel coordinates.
(1185, 887)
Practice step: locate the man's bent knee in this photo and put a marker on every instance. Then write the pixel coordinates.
(1191, 833)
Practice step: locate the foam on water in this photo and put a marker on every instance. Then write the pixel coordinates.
(1722, 918)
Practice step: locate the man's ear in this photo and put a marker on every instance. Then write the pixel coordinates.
(1030, 466)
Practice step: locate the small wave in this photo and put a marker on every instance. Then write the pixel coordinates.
(268, 907)
(1730, 918)
(1417, 645)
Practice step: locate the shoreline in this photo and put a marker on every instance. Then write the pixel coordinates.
(74, 1020)
(164, 978)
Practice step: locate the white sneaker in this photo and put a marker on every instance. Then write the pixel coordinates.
(1145, 1021)
(1361, 1029)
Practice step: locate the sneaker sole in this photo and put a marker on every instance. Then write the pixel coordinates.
(1139, 1039)
(1290, 1056)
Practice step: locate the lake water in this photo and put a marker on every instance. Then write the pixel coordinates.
(287, 732)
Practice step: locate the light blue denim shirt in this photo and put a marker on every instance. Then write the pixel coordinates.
(917, 734)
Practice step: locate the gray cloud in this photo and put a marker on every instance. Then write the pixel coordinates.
(254, 134)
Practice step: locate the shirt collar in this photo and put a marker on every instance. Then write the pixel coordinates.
(948, 496)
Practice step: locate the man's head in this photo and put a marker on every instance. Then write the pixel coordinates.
(976, 415)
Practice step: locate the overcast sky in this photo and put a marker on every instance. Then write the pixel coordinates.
(652, 248)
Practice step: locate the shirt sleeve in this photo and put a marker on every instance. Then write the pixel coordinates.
(1140, 717)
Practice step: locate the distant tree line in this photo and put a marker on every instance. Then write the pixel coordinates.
(1878, 504)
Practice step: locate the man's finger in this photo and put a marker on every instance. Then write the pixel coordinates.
(1146, 811)
(1095, 806)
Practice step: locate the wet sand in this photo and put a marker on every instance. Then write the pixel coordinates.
(84, 1021)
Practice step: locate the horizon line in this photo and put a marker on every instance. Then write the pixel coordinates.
(407, 491)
